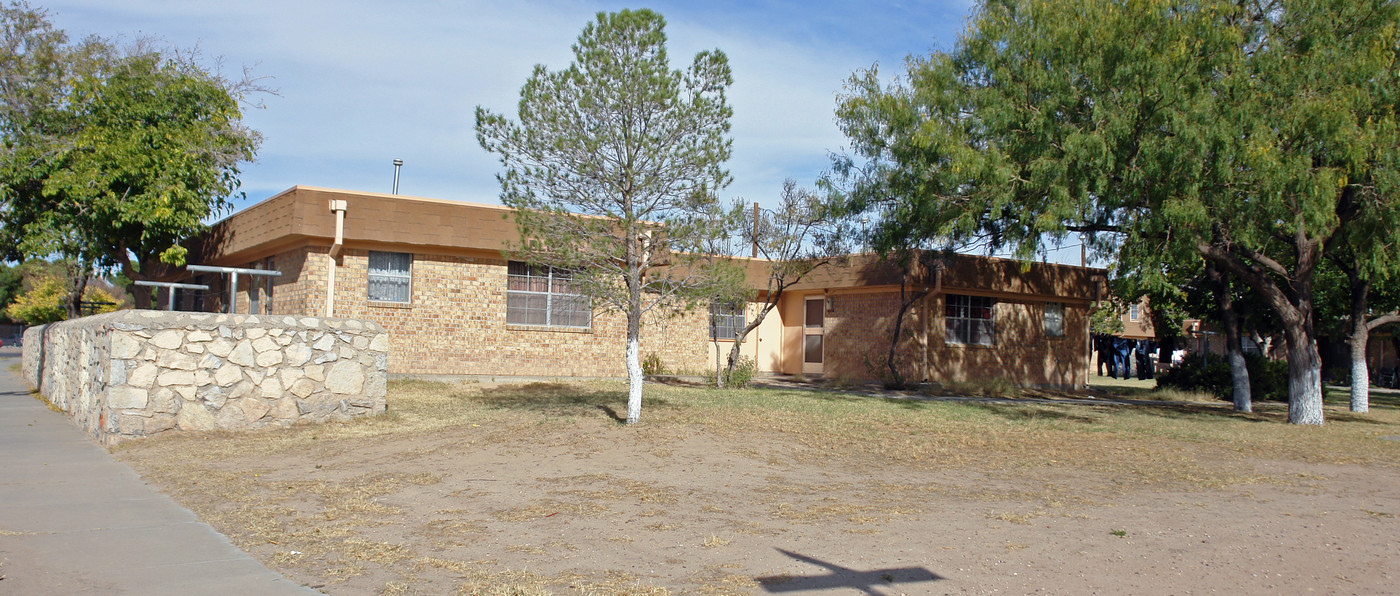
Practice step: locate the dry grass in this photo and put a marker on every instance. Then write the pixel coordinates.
(307, 501)
(714, 541)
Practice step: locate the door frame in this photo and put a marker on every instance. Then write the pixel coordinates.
(813, 368)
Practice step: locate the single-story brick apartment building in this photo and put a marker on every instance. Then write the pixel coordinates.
(434, 273)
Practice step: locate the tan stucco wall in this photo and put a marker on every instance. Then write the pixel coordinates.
(763, 345)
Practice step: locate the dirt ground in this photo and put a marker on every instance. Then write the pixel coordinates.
(584, 505)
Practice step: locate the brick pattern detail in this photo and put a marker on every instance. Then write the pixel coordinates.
(300, 290)
(455, 323)
(859, 328)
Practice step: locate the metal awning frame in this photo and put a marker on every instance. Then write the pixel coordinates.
(172, 286)
(233, 273)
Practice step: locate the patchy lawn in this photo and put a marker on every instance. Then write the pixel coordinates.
(537, 489)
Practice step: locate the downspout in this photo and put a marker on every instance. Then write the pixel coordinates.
(337, 207)
(1089, 329)
(928, 322)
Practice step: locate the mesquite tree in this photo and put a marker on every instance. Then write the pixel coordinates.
(613, 169)
(1251, 135)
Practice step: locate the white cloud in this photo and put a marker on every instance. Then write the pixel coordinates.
(363, 82)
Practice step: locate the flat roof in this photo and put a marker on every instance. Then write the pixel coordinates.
(302, 215)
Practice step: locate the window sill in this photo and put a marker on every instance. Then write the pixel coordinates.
(954, 344)
(553, 328)
(381, 304)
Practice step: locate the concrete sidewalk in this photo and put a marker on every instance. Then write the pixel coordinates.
(75, 521)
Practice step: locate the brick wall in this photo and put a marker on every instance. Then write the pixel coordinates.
(859, 326)
(1023, 353)
(455, 324)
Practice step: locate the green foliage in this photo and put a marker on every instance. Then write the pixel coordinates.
(11, 285)
(41, 303)
(111, 151)
(652, 365)
(106, 300)
(741, 374)
(1106, 318)
(1168, 131)
(613, 168)
(1268, 379)
(615, 161)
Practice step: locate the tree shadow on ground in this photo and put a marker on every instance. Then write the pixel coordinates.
(678, 381)
(844, 577)
(563, 399)
(1378, 397)
(1023, 413)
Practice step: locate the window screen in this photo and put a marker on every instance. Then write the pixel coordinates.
(726, 320)
(542, 295)
(1054, 319)
(390, 276)
(968, 320)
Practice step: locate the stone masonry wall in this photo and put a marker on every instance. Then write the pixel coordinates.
(135, 373)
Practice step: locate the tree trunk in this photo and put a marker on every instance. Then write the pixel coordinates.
(634, 257)
(1360, 332)
(1239, 373)
(1295, 310)
(142, 296)
(634, 366)
(719, 369)
(736, 350)
(75, 299)
(1360, 374)
(1304, 378)
(897, 380)
(721, 372)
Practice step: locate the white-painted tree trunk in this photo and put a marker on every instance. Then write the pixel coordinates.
(634, 379)
(1239, 373)
(1360, 384)
(1360, 334)
(1304, 380)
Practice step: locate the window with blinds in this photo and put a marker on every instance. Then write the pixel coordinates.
(968, 320)
(390, 276)
(543, 295)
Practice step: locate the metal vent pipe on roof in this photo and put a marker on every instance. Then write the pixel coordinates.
(398, 163)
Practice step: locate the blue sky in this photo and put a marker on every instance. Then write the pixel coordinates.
(360, 83)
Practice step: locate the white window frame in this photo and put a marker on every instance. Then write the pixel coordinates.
(389, 275)
(961, 313)
(730, 318)
(1054, 319)
(552, 278)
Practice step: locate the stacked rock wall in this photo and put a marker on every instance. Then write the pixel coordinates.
(139, 372)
